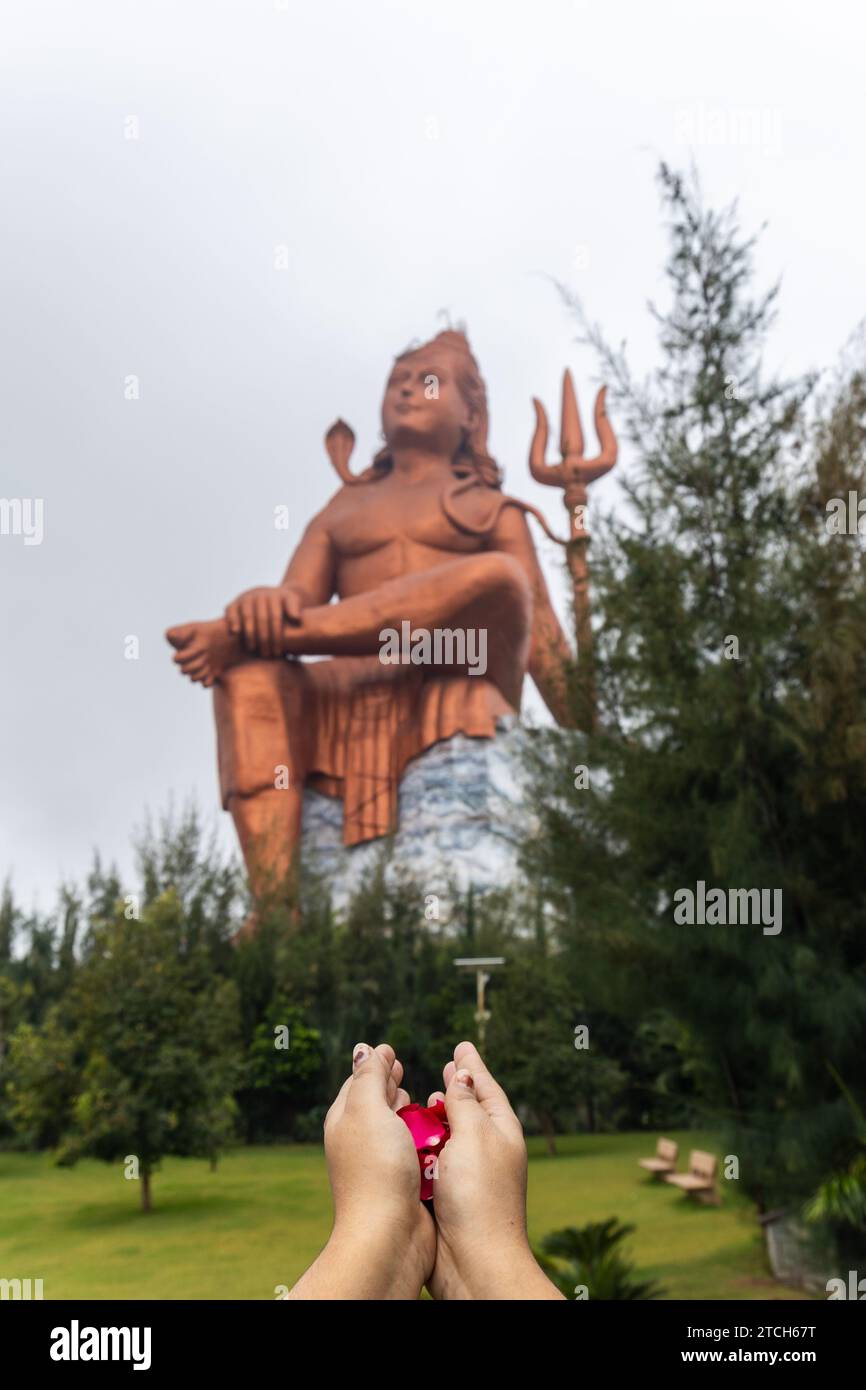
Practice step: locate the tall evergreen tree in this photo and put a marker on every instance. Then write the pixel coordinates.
(731, 682)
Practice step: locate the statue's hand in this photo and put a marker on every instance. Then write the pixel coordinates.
(258, 617)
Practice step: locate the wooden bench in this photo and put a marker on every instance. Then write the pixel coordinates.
(700, 1180)
(665, 1160)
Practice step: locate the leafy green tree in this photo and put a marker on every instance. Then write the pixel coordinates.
(283, 1065)
(30, 982)
(153, 1042)
(540, 1048)
(41, 1078)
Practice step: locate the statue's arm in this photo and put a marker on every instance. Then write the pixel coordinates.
(311, 572)
(258, 616)
(550, 655)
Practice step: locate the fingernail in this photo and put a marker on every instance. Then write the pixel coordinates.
(464, 1078)
(360, 1054)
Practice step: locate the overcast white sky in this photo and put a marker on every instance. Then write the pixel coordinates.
(412, 158)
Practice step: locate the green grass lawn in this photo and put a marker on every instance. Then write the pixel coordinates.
(264, 1214)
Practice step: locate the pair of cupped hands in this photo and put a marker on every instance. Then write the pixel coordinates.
(385, 1244)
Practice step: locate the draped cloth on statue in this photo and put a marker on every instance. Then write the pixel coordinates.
(346, 726)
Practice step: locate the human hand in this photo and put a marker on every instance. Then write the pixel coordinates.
(258, 615)
(482, 1249)
(383, 1243)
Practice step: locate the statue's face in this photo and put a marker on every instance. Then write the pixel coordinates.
(423, 404)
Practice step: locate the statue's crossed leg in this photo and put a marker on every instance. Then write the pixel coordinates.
(487, 591)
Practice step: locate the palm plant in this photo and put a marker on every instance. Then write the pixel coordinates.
(590, 1258)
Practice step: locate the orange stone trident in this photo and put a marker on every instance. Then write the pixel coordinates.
(573, 475)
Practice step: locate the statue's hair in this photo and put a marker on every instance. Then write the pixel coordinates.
(472, 459)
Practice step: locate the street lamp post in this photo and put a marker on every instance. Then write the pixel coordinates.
(480, 964)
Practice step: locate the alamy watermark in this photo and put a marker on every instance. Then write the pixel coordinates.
(846, 517)
(854, 1289)
(21, 1288)
(757, 126)
(444, 646)
(23, 516)
(729, 907)
(77, 1343)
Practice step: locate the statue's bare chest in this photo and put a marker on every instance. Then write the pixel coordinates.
(373, 516)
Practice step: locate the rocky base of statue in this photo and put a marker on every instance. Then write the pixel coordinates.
(463, 812)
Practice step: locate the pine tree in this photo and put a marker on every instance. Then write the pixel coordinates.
(731, 685)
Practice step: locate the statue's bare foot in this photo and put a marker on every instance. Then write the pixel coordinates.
(204, 650)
